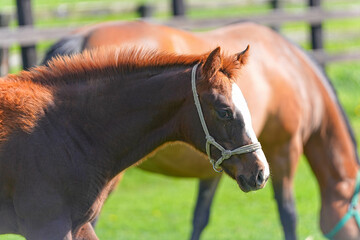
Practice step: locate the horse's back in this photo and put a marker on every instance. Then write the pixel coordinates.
(144, 35)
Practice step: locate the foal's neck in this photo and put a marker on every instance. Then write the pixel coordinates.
(128, 116)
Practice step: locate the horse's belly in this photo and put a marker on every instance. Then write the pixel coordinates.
(180, 160)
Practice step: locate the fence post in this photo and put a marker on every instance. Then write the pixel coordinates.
(316, 29)
(4, 52)
(145, 11)
(25, 18)
(277, 6)
(178, 8)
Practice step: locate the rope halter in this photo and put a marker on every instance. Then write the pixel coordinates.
(225, 154)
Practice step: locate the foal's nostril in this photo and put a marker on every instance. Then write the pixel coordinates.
(260, 178)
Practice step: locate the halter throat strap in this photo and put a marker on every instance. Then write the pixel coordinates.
(225, 154)
(352, 211)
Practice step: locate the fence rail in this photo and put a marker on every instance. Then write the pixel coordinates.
(313, 15)
(27, 36)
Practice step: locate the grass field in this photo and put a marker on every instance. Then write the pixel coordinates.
(149, 206)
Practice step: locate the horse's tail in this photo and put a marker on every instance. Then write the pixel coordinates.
(65, 47)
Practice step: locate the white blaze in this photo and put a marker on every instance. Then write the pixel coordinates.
(241, 105)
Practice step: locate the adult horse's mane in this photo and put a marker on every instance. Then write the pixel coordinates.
(84, 66)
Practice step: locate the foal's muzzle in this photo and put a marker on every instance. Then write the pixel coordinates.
(255, 182)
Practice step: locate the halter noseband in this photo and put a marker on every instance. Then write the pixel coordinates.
(352, 211)
(225, 154)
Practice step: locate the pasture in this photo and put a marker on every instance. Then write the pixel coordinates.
(149, 206)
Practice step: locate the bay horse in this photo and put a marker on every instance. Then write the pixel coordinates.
(294, 107)
(66, 130)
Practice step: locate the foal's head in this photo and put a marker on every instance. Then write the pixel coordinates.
(227, 121)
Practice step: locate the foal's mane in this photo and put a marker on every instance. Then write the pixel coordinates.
(107, 61)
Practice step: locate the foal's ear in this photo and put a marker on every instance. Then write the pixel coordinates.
(243, 56)
(212, 63)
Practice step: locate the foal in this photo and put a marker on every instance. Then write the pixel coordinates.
(67, 129)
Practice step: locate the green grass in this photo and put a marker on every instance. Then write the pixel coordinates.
(149, 206)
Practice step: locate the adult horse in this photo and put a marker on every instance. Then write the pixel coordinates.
(68, 129)
(294, 107)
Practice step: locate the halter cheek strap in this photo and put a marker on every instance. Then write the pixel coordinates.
(225, 154)
(352, 211)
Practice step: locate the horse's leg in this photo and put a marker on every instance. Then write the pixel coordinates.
(283, 162)
(207, 188)
(286, 206)
(86, 232)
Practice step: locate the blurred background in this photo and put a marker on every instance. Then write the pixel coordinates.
(149, 206)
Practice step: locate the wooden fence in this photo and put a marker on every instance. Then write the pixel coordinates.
(315, 16)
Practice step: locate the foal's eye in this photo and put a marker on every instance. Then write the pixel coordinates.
(225, 114)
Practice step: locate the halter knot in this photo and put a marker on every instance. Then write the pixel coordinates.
(226, 154)
(210, 139)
